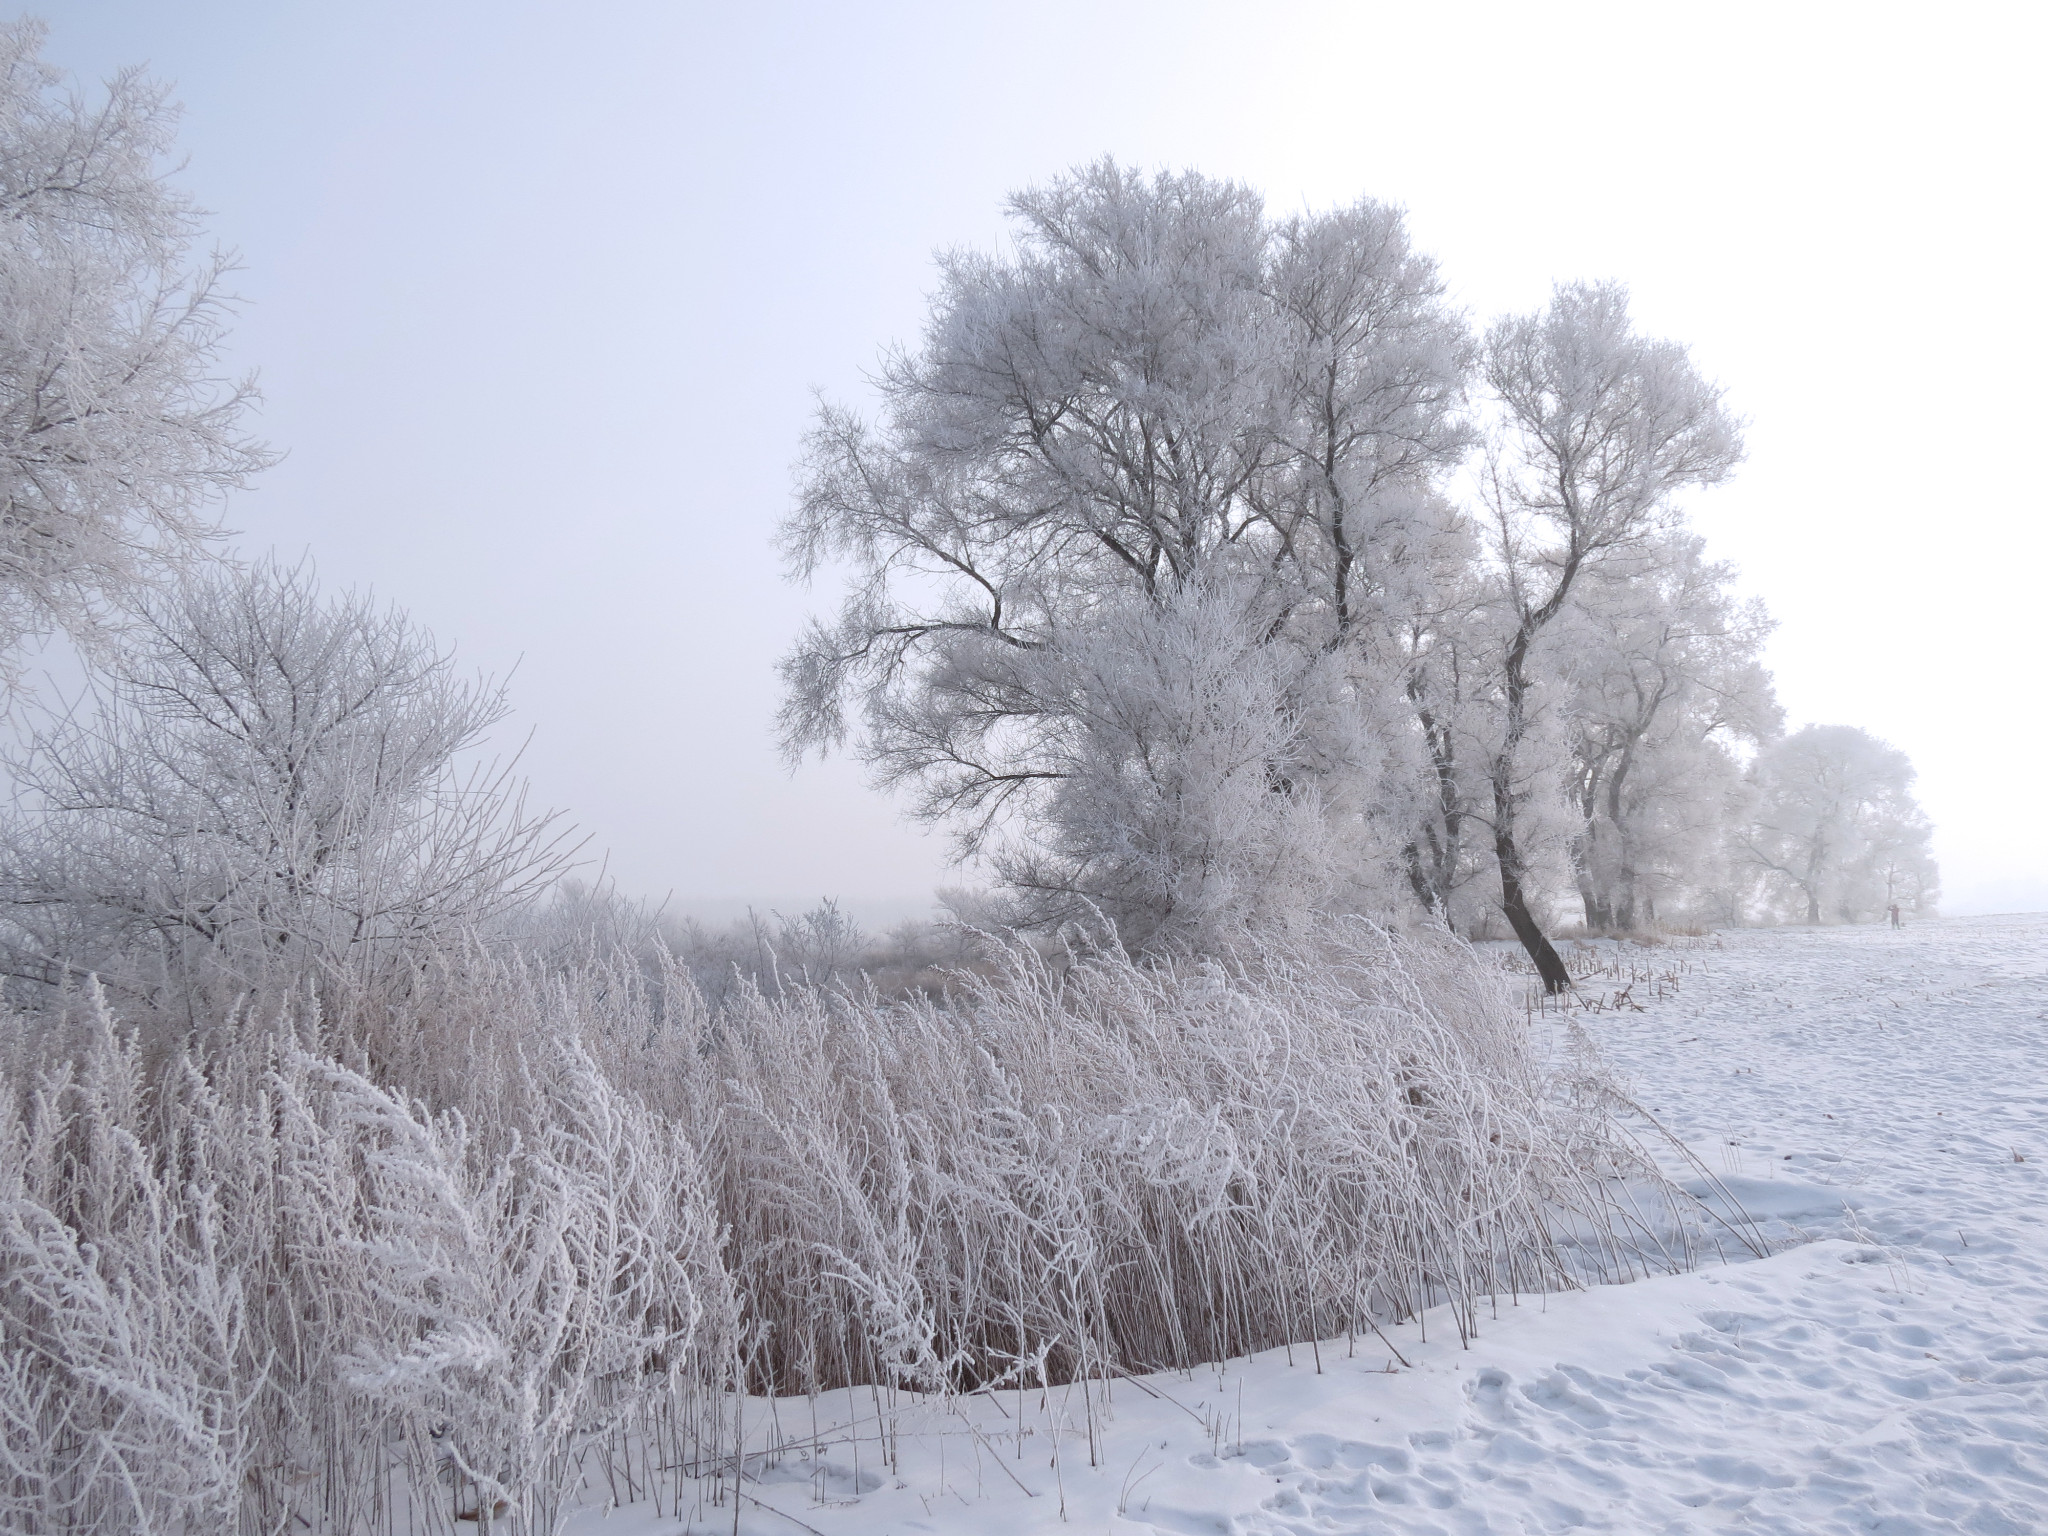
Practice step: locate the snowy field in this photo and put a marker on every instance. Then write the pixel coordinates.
(1874, 1099)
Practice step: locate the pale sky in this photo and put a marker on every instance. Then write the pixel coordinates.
(539, 293)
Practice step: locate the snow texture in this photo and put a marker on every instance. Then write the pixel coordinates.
(1872, 1098)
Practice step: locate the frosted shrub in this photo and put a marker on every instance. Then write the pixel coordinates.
(265, 1288)
(1117, 1166)
(129, 1373)
(532, 1298)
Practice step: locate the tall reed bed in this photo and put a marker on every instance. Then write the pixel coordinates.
(449, 1258)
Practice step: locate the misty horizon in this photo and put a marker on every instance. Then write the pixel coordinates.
(641, 370)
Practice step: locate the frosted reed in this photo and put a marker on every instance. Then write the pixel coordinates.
(529, 1230)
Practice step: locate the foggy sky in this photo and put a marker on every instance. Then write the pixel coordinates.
(540, 292)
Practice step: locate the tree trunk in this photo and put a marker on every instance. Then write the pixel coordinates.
(1599, 910)
(1423, 880)
(1599, 914)
(1516, 905)
(1624, 900)
(1584, 853)
(1816, 860)
(1506, 803)
(1433, 874)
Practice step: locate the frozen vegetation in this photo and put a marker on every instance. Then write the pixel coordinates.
(1865, 1105)
(514, 1227)
(1274, 646)
(1048, 1250)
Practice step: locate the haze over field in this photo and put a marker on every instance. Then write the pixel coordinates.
(538, 300)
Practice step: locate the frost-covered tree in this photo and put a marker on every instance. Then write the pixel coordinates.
(1666, 689)
(1446, 678)
(1598, 430)
(1195, 793)
(266, 783)
(1158, 597)
(117, 436)
(1165, 410)
(1838, 835)
(1371, 371)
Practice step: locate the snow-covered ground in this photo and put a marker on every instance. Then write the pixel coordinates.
(1878, 1099)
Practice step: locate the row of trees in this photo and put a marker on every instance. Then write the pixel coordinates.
(1206, 570)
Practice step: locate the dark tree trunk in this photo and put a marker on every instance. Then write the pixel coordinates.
(1422, 880)
(1516, 905)
(1434, 856)
(1600, 917)
(1514, 901)
(1506, 803)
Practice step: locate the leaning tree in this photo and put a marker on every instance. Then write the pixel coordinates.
(1596, 431)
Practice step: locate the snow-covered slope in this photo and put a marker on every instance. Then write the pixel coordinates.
(1878, 1099)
